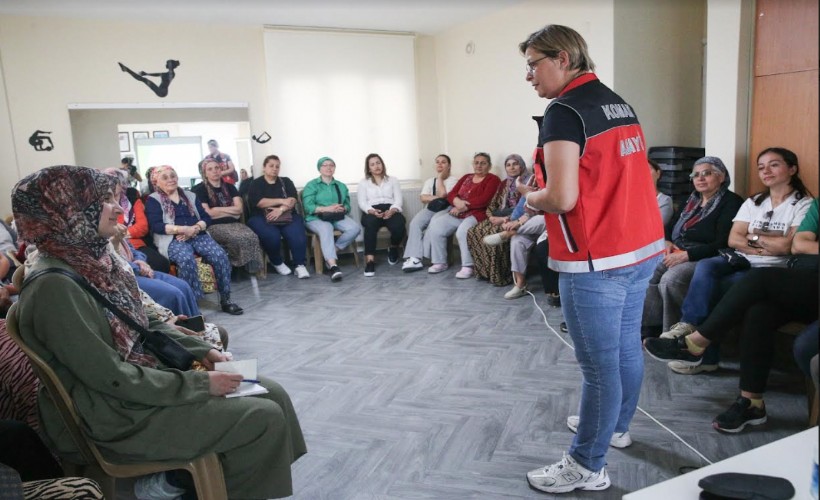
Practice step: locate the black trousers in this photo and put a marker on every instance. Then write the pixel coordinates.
(156, 260)
(371, 224)
(764, 299)
(22, 450)
(549, 278)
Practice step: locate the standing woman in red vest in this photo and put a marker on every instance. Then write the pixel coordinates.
(606, 237)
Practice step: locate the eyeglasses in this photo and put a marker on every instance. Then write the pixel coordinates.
(765, 227)
(702, 174)
(532, 64)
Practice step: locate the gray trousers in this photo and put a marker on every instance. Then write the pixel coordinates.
(415, 234)
(522, 242)
(440, 228)
(664, 297)
(349, 228)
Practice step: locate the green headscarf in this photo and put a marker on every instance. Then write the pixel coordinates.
(322, 160)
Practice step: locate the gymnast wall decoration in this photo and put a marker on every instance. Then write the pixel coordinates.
(40, 141)
(160, 90)
(262, 139)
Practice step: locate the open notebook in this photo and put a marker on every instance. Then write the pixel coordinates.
(246, 367)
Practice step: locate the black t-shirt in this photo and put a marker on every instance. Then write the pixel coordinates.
(261, 188)
(201, 193)
(562, 124)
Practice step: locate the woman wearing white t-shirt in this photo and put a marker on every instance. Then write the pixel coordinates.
(379, 198)
(761, 236)
(434, 195)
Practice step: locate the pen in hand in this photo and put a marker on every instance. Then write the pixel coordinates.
(251, 380)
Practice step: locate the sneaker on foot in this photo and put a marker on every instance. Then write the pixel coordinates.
(411, 264)
(231, 308)
(466, 272)
(679, 367)
(516, 292)
(335, 273)
(302, 272)
(156, 487)
(563, 327)
(674, 349)
(393, 255)
(282, 269)
(494, 239)
(739, 415)
(567, 475)
(370, 269)
(678, 330)
(618, 439)
(437, 268)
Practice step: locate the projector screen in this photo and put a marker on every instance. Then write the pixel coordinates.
(182, 153)
(342, 95)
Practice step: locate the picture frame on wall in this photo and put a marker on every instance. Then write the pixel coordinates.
(125, 142)
(160, 134)
(141, 135)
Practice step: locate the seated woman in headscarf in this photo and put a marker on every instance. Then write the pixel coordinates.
(223, 204)
(133, 218)
(124, 395)
(492, 263)
(178, 224)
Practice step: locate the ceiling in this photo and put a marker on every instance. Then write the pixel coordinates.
(417, 16)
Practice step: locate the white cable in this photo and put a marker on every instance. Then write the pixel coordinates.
(667, 429)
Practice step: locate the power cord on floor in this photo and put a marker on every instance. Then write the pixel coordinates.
(662, 426)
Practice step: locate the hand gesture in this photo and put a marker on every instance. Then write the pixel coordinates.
(222, 383)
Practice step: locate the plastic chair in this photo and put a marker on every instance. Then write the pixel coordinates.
(205, 470)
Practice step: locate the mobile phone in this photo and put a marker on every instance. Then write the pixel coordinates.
(193, 323)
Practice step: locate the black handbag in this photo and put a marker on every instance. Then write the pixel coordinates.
(438, 204)
(170, 352)
(735, 259)
(333, 216)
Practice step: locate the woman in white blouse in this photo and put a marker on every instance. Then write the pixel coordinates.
(380, 202)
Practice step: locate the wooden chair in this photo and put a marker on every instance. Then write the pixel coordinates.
(313, 238)
(205, 470)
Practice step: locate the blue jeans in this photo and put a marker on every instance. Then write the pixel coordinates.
(170, 292)
(704, 289)
(270, 237)
(603, 312)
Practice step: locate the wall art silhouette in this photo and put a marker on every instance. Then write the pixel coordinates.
(40, 141)
(160, 90)
(262, 139)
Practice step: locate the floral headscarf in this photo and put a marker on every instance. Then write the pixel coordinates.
(121, 176)
(58, 209)
(512, 193)
(164, 200)
(217, 196)
(692, 212)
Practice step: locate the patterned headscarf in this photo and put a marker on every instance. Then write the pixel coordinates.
(512, 193)
(58, 209)
(222, 198)
(692, 211)
(164, 200)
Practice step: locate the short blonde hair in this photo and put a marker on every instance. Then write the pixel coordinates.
(553, 38)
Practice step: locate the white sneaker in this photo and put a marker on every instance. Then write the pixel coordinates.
(679, 367)
(412, 264)
(516, 292)
(156, 487)
(618, 440)
(494, 239)
(567, 475)
(678, 330)
(282, 269)
(302, 272)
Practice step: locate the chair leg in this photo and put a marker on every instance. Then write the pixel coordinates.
(209, 480)
(318, 259)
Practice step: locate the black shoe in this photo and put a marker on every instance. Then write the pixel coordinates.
(370, 269)
(335, 273)
(393, 255)
(739, 415)
(563, 327)
(231, 308)
(672, 350)
(553, 300)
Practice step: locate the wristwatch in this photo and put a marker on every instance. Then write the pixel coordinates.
(753, 240)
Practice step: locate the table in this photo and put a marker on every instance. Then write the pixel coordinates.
(790, 458)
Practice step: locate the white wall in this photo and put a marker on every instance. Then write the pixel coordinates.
(486, 104)
(730, 27)
(659, 67)
(48, 63)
